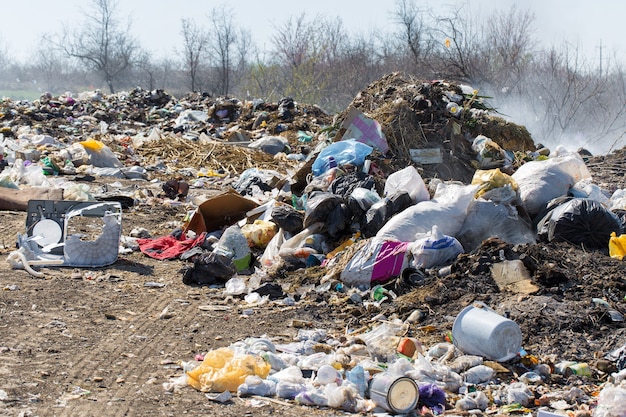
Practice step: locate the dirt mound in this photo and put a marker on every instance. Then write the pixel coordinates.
(418, 114)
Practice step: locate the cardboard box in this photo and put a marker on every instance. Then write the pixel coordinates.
(221, 210)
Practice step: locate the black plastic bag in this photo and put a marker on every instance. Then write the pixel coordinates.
(380, 212)
(344, 185)
(339, 220)
(209, 268)
(581, 221)
(375, 218)
(288, 218)
(319, 206)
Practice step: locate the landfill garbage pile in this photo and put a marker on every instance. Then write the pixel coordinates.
(472, 273)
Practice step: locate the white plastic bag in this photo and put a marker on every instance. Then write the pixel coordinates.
(447, 210)
(376, 262)
(541, 181)
(611, 401)
(409, 180)
(433, 250)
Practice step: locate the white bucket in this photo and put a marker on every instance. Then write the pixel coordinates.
(478, 330)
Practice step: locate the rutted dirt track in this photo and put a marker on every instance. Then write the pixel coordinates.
(102, 342)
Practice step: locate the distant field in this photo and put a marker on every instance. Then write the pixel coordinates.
(20, 94)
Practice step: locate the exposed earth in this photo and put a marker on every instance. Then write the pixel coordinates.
(104, 341)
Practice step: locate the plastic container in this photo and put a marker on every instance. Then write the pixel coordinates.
(478, 330)
(397, 394)
(327, 374)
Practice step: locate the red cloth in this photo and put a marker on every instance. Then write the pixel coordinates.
(168, 247)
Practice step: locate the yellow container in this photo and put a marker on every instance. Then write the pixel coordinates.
(617, 246)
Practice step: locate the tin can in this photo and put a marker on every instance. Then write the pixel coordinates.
(394, 393)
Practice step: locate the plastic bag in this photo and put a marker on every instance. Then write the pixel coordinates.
(254, 385)
(487, 219)
(447, 210)
(542, 181)
(365, 198)
(234, 245)
(340, 153)
(319, 205)
(488, 180)
(270, 254)
(259, 233)
(222, 370)
(478, 374)
(208, 269)
(586, 189)
(611, 401)
(580, 221)
(433, 250)
(344, 185)
(376, 262)
(489, 153)
(100, 155)
(270, 144)
(409, 180)
(287, 218)
(380, 212)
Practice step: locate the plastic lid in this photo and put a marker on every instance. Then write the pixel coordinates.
(403, 395)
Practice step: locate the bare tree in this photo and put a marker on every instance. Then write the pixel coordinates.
(195, 44)
(508, 47)
(414, 32)
(293, 42)
(51, 66)
(224, 36)
(102, 44)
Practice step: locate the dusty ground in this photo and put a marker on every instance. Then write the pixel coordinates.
(103, 341)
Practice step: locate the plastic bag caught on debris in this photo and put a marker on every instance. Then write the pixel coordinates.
(489, 153)
(270, 144)
(433, 250)
(409, 180)
(341, 153)
(320, 206)
(380, 212)
(287, 218)
(488, 180)
(447, 210)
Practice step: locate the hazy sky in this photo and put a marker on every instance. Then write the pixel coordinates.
(156, 23)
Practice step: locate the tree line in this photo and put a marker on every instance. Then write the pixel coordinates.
(555, 91)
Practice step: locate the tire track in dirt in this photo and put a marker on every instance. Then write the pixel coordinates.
(124, 387)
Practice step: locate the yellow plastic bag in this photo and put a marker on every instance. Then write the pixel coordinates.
(491, 179)
(617, 246)
(222, 371)
(259, 233)
(92, 144)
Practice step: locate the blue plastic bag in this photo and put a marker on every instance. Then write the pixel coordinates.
(340, 153)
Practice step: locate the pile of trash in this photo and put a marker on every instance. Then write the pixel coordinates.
(414, 198)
